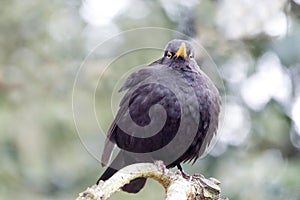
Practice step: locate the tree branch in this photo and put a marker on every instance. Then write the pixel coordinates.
(196, 187)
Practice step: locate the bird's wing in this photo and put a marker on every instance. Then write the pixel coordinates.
(133, 80)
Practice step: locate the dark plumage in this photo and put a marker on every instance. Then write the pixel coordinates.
(170, 112)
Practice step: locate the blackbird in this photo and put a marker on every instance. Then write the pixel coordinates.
(170, 113)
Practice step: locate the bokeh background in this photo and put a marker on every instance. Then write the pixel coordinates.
(48, 152)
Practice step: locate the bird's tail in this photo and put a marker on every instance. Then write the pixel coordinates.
(119, 162)
(135, 185)
(107, 174)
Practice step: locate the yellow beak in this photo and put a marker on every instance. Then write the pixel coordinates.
(181, 51)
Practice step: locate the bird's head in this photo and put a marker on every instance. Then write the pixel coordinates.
(178, 49)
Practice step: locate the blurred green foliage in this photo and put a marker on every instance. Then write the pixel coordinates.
(44, 155)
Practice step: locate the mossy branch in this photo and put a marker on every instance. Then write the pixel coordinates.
(196, 187)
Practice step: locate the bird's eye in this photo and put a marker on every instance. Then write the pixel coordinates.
(169, 55)
(191, 55)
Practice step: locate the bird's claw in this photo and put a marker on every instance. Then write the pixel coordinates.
(184, 175)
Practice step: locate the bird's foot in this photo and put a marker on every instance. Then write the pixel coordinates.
(184, 175)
